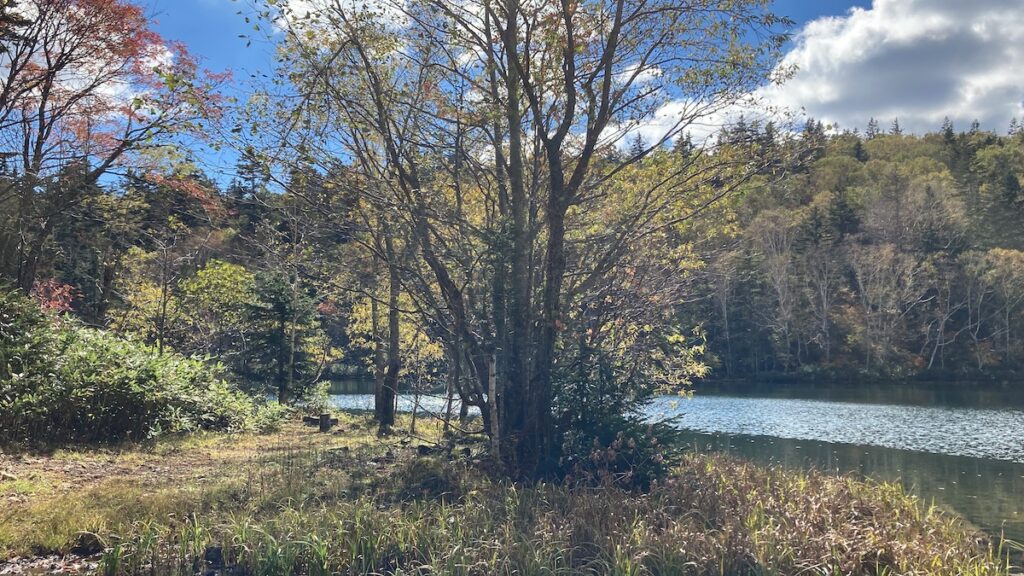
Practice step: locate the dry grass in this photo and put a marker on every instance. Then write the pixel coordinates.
(348, 503)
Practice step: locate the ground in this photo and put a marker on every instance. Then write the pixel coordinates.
(49, 498)
(348, 502)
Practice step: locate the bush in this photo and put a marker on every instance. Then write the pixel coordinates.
(63, 382)
(625, 452)
(606, 437)
(25, 337)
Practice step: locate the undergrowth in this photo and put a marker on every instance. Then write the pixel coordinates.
(371, 508)
(61, 382)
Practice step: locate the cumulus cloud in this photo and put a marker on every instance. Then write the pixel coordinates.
(698, 120)
(916, 60)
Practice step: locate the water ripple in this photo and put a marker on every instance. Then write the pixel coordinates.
(983, 433)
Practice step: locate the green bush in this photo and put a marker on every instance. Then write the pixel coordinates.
(26, 339)
(606, 437)
(63, 382)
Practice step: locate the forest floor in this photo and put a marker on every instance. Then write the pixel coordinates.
(56, 506)
(347, 502)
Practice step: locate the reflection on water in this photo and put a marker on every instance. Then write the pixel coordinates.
(428, 404)
(989, 493)
(350, 386)
(979, 432)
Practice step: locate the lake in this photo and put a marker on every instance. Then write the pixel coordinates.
(959, 447)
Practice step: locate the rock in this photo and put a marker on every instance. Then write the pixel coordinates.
(214, 556)
(87, 544)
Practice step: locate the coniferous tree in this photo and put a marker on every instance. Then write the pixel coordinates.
(873, 131)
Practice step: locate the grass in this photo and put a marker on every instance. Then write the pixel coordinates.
(22, 487)
(349, 503)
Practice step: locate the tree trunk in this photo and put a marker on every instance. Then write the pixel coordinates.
(515, 405)
(415, 407)
(379, 362)
(389, 389)
(492, 397)
(25, 271)
(539, 451)
(292, 339)
(161, 320)
(282, 382)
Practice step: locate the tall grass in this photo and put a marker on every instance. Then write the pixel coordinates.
(375, 512)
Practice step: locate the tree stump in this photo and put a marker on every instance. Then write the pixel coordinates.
(324, 421)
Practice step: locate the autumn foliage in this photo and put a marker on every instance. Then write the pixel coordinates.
(88, 87)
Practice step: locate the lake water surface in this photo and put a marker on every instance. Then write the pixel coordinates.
(961, 448)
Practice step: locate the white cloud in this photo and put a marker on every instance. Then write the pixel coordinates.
(918, 60)
(701, 121)
(635, 76)
(160, 56)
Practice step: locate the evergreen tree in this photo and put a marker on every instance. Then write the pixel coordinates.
(638, 146)
(842, 218)
(684, 145)
(815, 139)
(859, 152)
(284, 318)
(948, 135)
(873, 131)
(247, 194)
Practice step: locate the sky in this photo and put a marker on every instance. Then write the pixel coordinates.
(916, 60)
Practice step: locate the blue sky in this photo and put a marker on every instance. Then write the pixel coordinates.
(918, 61)
(211, 28)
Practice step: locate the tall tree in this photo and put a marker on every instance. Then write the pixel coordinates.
(85, 83)
(489, 126)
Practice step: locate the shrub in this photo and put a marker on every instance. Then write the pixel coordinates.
(627, 452)
(25, 337)
(65, 382)
(606, 436)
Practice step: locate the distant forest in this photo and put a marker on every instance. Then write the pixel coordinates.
(880, 254)
(843, 254)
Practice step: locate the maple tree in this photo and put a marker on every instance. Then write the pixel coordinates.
(87, 85)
